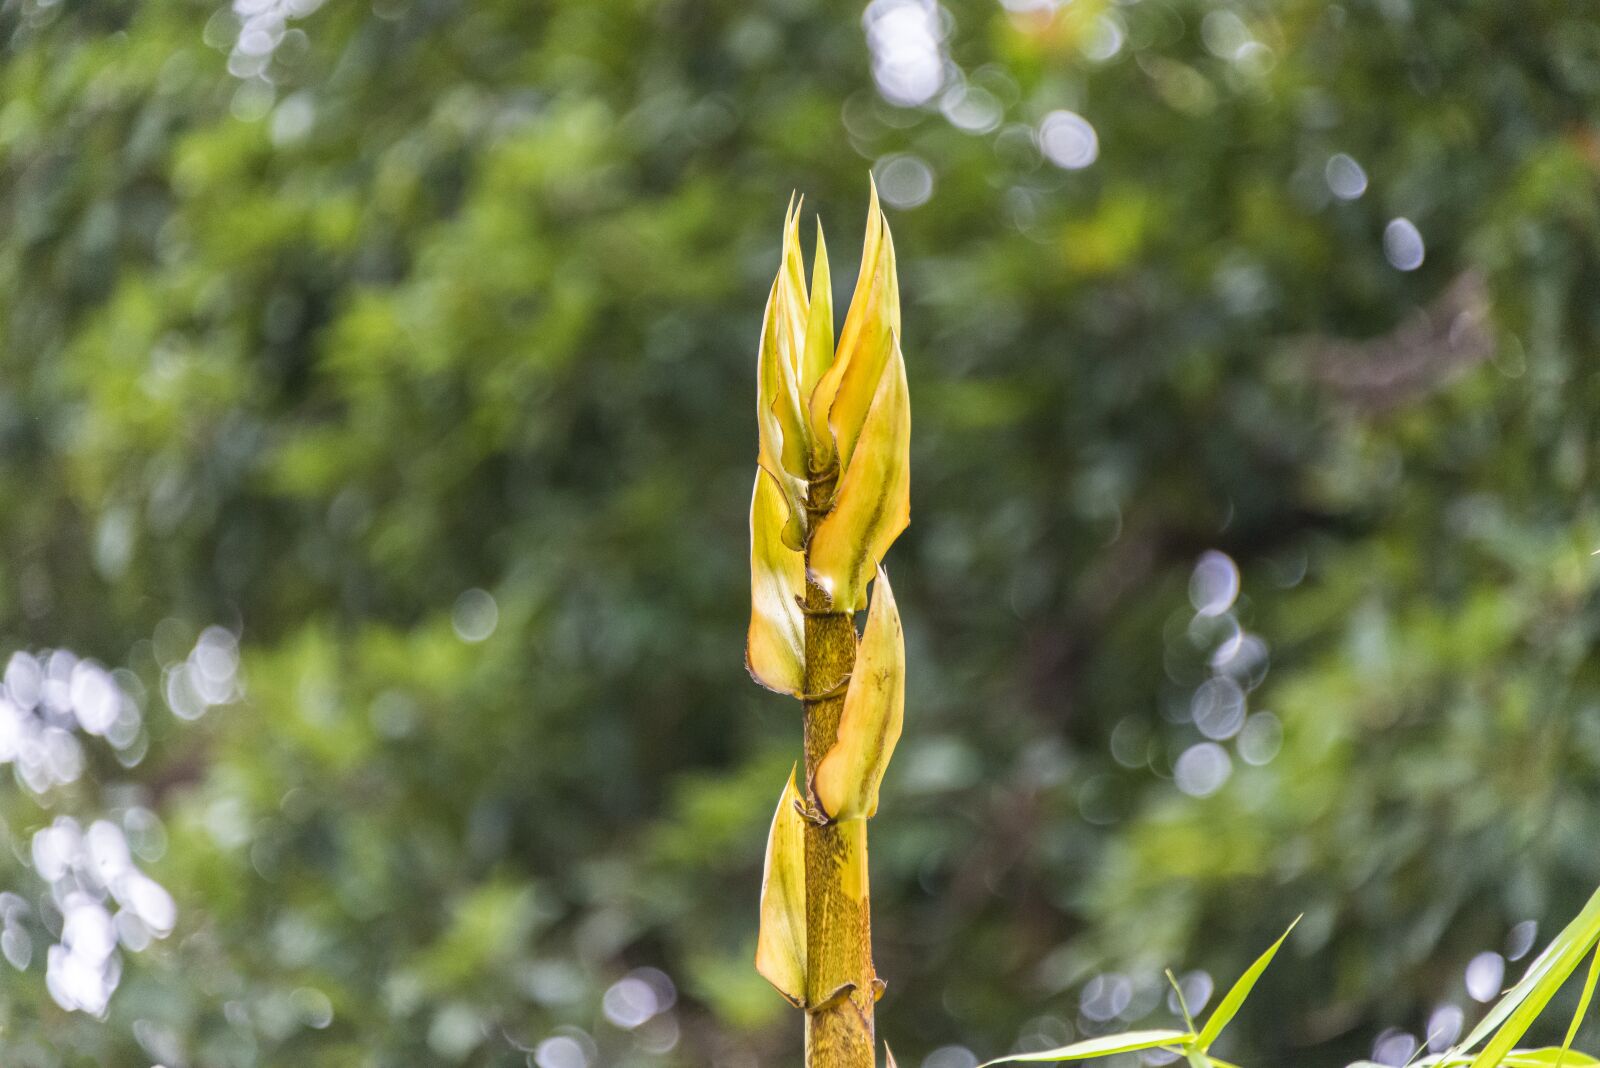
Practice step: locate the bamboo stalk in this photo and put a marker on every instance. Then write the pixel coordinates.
(840, 978)
(833, 444)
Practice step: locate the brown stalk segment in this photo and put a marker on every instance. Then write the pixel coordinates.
(839, 973)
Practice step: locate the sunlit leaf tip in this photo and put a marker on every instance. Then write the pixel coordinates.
(792, 316)
(1229, 1006)
(818, 354)
(862, 320)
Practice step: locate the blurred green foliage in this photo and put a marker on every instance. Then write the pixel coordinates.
(314, 320)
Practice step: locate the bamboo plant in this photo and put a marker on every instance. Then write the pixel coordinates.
(832, 492)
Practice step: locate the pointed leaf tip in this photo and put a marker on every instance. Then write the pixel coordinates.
(789, 336)
(1230, 1004)
(866, 304)
(871, 328)
(818, 355)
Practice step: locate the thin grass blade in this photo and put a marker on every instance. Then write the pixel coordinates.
(1515, 1012)
(1229, 1006)
(1583, 1008)
(1104, 1046)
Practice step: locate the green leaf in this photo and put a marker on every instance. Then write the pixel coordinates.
(1229, 1006)
(1183, 1003)
(1583, 1007)
(1544, 1057)
(1104, 1046)
(1516, 1011)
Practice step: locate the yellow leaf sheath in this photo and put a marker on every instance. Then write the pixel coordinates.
(873, 502)
(775, 644)
(818, 355)
(846, 782)
(771, 383)
(861, 365)
(872, 308)
(832, 493)
(781, 943)
(792, 317)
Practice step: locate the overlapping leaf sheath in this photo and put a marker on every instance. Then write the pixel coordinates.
(781, 943)
(837, 417)
(846, 782)
(784, 429)
(874, 312)
(774, 648)
(832, 492)
(873, 502)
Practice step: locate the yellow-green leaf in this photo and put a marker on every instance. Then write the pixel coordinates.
(1544, 1057)
(1510, 1017)
(775, 644)
(1228, 1007)
(793, 272)
(846, 781)
(818, 354)
(871, 305)
(1582, 1010)
(1104, 1046)
(792, 315)
(869, 349)
(770, 386)
(781, 942)
(873, 502)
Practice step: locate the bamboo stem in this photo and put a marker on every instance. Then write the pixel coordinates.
(840, 977)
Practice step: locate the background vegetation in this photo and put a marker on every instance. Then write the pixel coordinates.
(375, 400)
